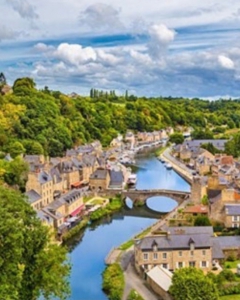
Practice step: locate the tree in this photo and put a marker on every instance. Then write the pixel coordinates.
(16, 148)
(192, 284)
(202, 221)
(30, 264)
(3, 80)
(176, 138)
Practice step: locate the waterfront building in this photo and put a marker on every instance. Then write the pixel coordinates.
(175, 248)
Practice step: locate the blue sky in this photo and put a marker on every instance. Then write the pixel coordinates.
(179, 48)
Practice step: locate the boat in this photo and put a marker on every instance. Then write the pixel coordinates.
(161, 160)
(168, 166)
(132, 180)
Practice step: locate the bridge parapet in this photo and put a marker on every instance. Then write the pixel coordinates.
(143, 195)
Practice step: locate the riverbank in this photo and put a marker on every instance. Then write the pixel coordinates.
(90, 247)
(177, 166)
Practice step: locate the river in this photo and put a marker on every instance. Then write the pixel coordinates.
(87, 256)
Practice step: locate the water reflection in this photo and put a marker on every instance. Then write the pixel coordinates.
(88, 255)
(161, 204)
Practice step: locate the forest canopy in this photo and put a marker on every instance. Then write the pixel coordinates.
(49, 122)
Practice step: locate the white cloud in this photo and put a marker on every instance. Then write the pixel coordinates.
(225, 62)
(160, 38)
(23, 8)
(75, 54)
(41, 47)
(101, 16)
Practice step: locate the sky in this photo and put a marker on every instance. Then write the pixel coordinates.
(149, 47)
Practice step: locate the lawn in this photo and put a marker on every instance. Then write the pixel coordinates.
(230, 297)
(97, 201)
(231, 264)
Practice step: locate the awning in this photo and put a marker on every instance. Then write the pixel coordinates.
(79, 183)
(77, 211)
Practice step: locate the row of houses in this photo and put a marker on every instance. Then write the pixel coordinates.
(158, 255)
(56, 186)
(217, 177)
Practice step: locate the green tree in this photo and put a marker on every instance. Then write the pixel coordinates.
(202, 221)
(192, 284)
(176, 138)
(16, 173)
(205, 200)
(30, 264)
(16, 148)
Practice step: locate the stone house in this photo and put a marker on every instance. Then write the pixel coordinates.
(42, 183)
(34, 199)
(99, 180)
(71, 173)
(68, 205)
(232, 215)
(177, 248)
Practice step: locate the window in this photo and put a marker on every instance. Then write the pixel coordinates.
(192, 264)
(235, 225)
(155, 256)
(180, 253)
(165, 266)
(192, 253)
(204, 264)
(235, 218)
(204, 252)
(164, 255)
(180, 264)
(145, 256)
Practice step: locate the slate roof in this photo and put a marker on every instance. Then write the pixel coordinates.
(232, 209)
(228, 242)
(194, 144)
(217, 252)
(178, 241)
(44, 177)
(189, 230)
(44, 217)
(33, 196)
(99, 174)
(116, 177)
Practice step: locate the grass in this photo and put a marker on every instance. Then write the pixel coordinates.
(97, 201)
(126, 245)
(231, 264)
(230, 297)
(160, 151)
(130, 243)
(86, 199)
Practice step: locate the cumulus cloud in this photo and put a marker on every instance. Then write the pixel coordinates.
(41, 47)
(101, 16)
(225, 62)
(75, 54)
(23, 8)
(160, 38)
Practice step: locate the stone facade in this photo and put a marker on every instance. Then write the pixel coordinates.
(99, 180)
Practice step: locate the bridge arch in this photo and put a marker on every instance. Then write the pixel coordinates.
(141, 196)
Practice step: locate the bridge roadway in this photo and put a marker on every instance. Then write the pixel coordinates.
(143, 195)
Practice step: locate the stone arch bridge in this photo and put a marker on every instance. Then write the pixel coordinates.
(142, 195)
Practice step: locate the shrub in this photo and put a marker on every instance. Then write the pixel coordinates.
(113, 282)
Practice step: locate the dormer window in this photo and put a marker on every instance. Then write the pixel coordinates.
(155, 246)
(191, 243)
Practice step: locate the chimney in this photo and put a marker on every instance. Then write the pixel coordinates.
(168, 235)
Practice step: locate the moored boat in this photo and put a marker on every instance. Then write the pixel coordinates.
(168, 166)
